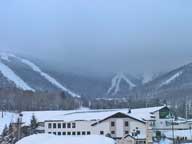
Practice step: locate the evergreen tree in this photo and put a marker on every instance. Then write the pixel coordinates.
(5, 131)
(34, 124)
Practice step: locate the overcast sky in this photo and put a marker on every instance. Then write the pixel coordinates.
(134, 36)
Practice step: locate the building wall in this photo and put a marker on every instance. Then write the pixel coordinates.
(80, 126)
(119, 129)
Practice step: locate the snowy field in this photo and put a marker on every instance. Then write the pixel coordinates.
(52, 139)
(6, 120)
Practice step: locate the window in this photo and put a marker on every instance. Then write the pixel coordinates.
(112, 132)
(101, 132)
(69, 125)
(73, 133)
(64, 133)
(73, 125)
(78, 133)
(68, 133)
(126, 132)
(49, 125)
(83, 133)
(64, 125)
(126, 123)
(112, 123)
(49, 133)
(59, 133)
(54, 133)
(88, 133)
(59, 125)
(54, 126)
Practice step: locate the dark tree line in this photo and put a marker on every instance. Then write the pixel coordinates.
(17, 100)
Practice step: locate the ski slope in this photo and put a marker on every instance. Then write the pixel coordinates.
(116, 81)
(10, 75)
(48, 77)
(172, 78)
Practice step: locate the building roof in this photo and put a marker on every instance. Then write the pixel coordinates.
(140, 114)
(117, 115)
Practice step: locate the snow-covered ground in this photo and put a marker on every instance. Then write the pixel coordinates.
(52, 139)
(179, 133)
(6, 120)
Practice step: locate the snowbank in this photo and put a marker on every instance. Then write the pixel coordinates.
(52, 139)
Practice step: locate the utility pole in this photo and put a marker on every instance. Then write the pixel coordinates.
(186, 109)
(2, 114)
(173, 134)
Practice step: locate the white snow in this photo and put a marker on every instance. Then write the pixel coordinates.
(96, 115)
(115, 85)
(10, 75)
(172, 78)
(48, 77)
(5, 56)
(179, 133)
(52, 139)
(6, 120)
(165, 141)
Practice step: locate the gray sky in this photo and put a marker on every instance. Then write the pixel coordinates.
(134, 36)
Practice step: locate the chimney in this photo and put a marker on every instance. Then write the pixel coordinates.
(129, 111)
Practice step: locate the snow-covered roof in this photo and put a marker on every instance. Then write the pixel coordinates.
(52, 139)
(88, 115)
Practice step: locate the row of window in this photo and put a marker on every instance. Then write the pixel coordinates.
(61, 125)
(112, 132)
(81, 133)
(71, 133)
(126, 124)
(73, 125)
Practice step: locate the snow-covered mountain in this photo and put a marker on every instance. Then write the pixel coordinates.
(121, 82)
(24, 74)
(32, 75)
(27, 74)
(178, 78)
(176, 84)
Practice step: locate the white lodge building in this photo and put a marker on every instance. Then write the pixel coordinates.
(124, 125)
